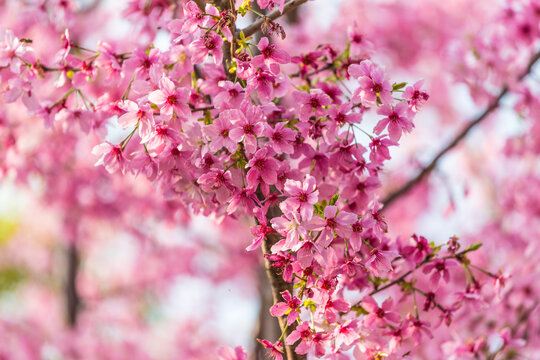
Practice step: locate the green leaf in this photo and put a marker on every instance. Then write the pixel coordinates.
(359, 310)
(334, 199)
(10, 277)
(398, 86)
(474, 247)
(310, 305)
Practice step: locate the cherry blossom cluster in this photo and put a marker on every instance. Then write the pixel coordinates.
(233, 126)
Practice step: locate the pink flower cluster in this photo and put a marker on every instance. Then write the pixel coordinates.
(231, 128)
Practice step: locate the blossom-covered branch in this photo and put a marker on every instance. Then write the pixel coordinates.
(494, 105)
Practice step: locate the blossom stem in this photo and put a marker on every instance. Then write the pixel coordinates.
(426, 260)
(437, 305)
(488, 273)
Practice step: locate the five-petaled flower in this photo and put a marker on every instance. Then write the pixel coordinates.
(291, 306)
(301, 196)
(169, 98)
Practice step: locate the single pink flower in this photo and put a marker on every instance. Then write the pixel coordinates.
(373, 84)
(301, 196)
(275, 350)
(415, 328)
(418, 251)
(111, 157)
(260, 232)
(201, 48)
(360, 45)
(379, 261)
(357, 232)
(396, 120)
(290, 306)
(246, 127)
(439, 270)
(263, 81)
(281, 138)
(379, 315)
(311, 104)
(302, 332)
(230, 95)
(329, 308)
(170, 99)
(161, 137)
(136, 115)
(415, 96)
(341, 115)
(346, 333)
(332, 222)
(270, 56)
(290, 226)
(262, 167)
(379, 149)
(219, 133)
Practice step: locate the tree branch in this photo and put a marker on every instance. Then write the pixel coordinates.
(229, 48)
(279, 285)
(457, 139)
(71, 293)
(256, 26)
(201, 4)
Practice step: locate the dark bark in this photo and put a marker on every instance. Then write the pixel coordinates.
(72, 298)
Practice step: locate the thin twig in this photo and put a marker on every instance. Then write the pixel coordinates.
(256, 26)
(429, 258)
(457, 139)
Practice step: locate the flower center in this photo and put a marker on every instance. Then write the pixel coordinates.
(171, 100)
(377, 88)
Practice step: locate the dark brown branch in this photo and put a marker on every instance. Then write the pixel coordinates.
(201, 4)
(229, 48)
(268, 327)
(457, 139)
(429, 258)
(71, 293)
(256, 26)
(279, 285)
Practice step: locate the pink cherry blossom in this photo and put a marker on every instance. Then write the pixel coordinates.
(281, 138)
(380, 261)
(201, 48)
(262, 166)
(396, 120)
(311, 104)
(110, 156)
(275, 350)
(301, 197)
(373, 83)
(333, 221)
(246, 128)
(270, 56)
(219, 133)
(379, 315)
(290, 306)
(169, 98)
(439, 270)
